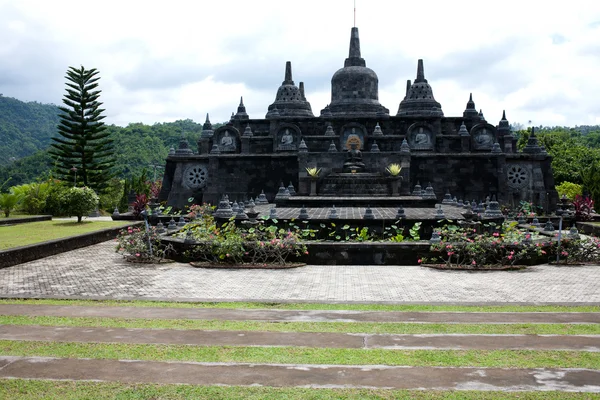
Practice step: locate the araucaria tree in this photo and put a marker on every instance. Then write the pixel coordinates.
(83, 151)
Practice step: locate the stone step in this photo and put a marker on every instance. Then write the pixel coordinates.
(589, 343)
(302, 315)
(299, 375)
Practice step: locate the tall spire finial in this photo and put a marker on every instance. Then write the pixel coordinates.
(288, 73)
(354, 44)
(420, 72)
(241, 101)
(503, 115)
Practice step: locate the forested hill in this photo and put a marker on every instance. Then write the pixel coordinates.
(25, 128)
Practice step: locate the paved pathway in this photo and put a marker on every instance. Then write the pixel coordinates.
(590, 343)
(348, 376)
(301, 315)
(97, 272)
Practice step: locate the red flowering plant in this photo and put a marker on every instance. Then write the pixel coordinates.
(464, 248)
(135, 244)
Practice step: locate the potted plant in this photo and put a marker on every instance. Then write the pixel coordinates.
(394, 170)
(313, 173)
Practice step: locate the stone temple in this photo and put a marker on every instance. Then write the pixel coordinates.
(352, 141)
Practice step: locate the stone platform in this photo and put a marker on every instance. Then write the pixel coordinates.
(380, 213)
(359, 202)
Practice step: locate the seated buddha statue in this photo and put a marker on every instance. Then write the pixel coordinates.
(354, 160)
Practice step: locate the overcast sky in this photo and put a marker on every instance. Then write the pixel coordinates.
(166, 60)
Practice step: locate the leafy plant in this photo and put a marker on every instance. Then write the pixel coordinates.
(34, 196)
(394, 169)
(8, 201)
(111, 196)
(140, 204)
(313, 172)
(584, 207)
(55, 201)
(134, 243)
(234, 245)
(464, 248)
(414, 231)
(569, 189)
(80, 201)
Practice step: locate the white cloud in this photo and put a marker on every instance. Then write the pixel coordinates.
(162, 61)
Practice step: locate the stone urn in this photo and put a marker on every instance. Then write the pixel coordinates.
(395, 182)
(313, 186)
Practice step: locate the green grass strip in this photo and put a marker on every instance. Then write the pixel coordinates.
(341, 327)
(303, 355)
(37, 232)
(21, 389)
(305, 306)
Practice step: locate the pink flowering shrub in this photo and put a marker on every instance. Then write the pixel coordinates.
(580, 250)
(134, 244)
(465, 248)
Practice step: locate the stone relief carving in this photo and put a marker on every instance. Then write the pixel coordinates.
(195, 176)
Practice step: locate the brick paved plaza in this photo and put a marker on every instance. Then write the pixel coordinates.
(97, 271)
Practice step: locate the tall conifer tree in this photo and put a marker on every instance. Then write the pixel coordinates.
(83, 150)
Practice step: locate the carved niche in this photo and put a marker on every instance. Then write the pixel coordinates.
(288, 137)
(483, 137)
(228, 139)
(420, 136)
(352, 133)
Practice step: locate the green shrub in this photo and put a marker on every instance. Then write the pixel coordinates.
(569, 189)
(111, 196)
(34, 196)
(80, 201)
(55, 201)
(8, 201)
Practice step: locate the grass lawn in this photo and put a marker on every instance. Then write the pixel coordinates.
(36, 232)
(21, 389)
(306, 306)
(304, 355)
(341, 327)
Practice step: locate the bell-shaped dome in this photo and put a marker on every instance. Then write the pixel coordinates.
(290, 100)
(419, 100)
(355, 88)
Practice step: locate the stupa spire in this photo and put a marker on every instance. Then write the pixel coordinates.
(354, 59)
(241, 111)
(354, 44)
(408, 85)
(470, 111)
(420, 72)
(288, 74)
